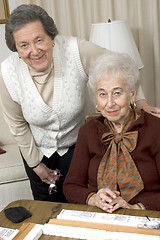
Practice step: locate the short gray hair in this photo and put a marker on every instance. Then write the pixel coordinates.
(109, 64)
(25, 14)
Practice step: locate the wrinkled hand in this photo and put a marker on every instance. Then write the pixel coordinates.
(119, 202)
(103, 198)
(153, 110)
(110, 201)
(142, 104)
(45, 174)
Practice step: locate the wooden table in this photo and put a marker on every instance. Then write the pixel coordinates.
(42, 212)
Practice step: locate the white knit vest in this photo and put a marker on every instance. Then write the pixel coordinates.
(56, 128)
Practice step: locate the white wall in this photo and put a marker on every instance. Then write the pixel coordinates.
(4, 49)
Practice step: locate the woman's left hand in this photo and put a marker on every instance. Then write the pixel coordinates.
(142, 104)
(154, 111)
(119, 202)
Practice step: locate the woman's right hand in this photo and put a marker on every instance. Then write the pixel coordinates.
(103, 198)
(45, 174)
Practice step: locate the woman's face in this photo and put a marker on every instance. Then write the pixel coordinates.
(34, 46)
(114, 98)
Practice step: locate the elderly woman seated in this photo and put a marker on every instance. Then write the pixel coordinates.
(116, 163)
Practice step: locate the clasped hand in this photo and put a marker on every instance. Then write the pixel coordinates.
(108, 200)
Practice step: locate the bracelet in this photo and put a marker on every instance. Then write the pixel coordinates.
(89, 196)
(140, 206)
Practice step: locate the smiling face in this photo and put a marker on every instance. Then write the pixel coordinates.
(34, 46)
(114, 98)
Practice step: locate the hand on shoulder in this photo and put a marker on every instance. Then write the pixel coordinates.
(142, 104)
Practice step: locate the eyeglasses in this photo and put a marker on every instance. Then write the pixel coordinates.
(56, 176)
(152, 224)
(149, 224)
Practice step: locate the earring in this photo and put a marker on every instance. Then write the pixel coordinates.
(132, 106)
(53, 44)
(19, 56)
(97, 108)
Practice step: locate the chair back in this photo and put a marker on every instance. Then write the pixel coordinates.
(90, 116)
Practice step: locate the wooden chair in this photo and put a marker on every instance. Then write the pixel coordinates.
(90, 116)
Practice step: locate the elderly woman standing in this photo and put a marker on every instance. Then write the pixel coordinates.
(116, 163)
(42, 92)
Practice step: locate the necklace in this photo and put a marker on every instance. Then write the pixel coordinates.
(47, 78)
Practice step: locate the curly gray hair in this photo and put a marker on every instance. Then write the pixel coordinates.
(24, 14)
(110, 64)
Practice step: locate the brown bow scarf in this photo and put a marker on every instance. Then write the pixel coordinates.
(117, 166)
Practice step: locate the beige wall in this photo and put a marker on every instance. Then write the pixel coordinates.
(74, 17)
(4, 50)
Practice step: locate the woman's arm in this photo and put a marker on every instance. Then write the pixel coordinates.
(150, 200)
(19, 127)
(21, 132)
(149, 163)
(76, 185)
